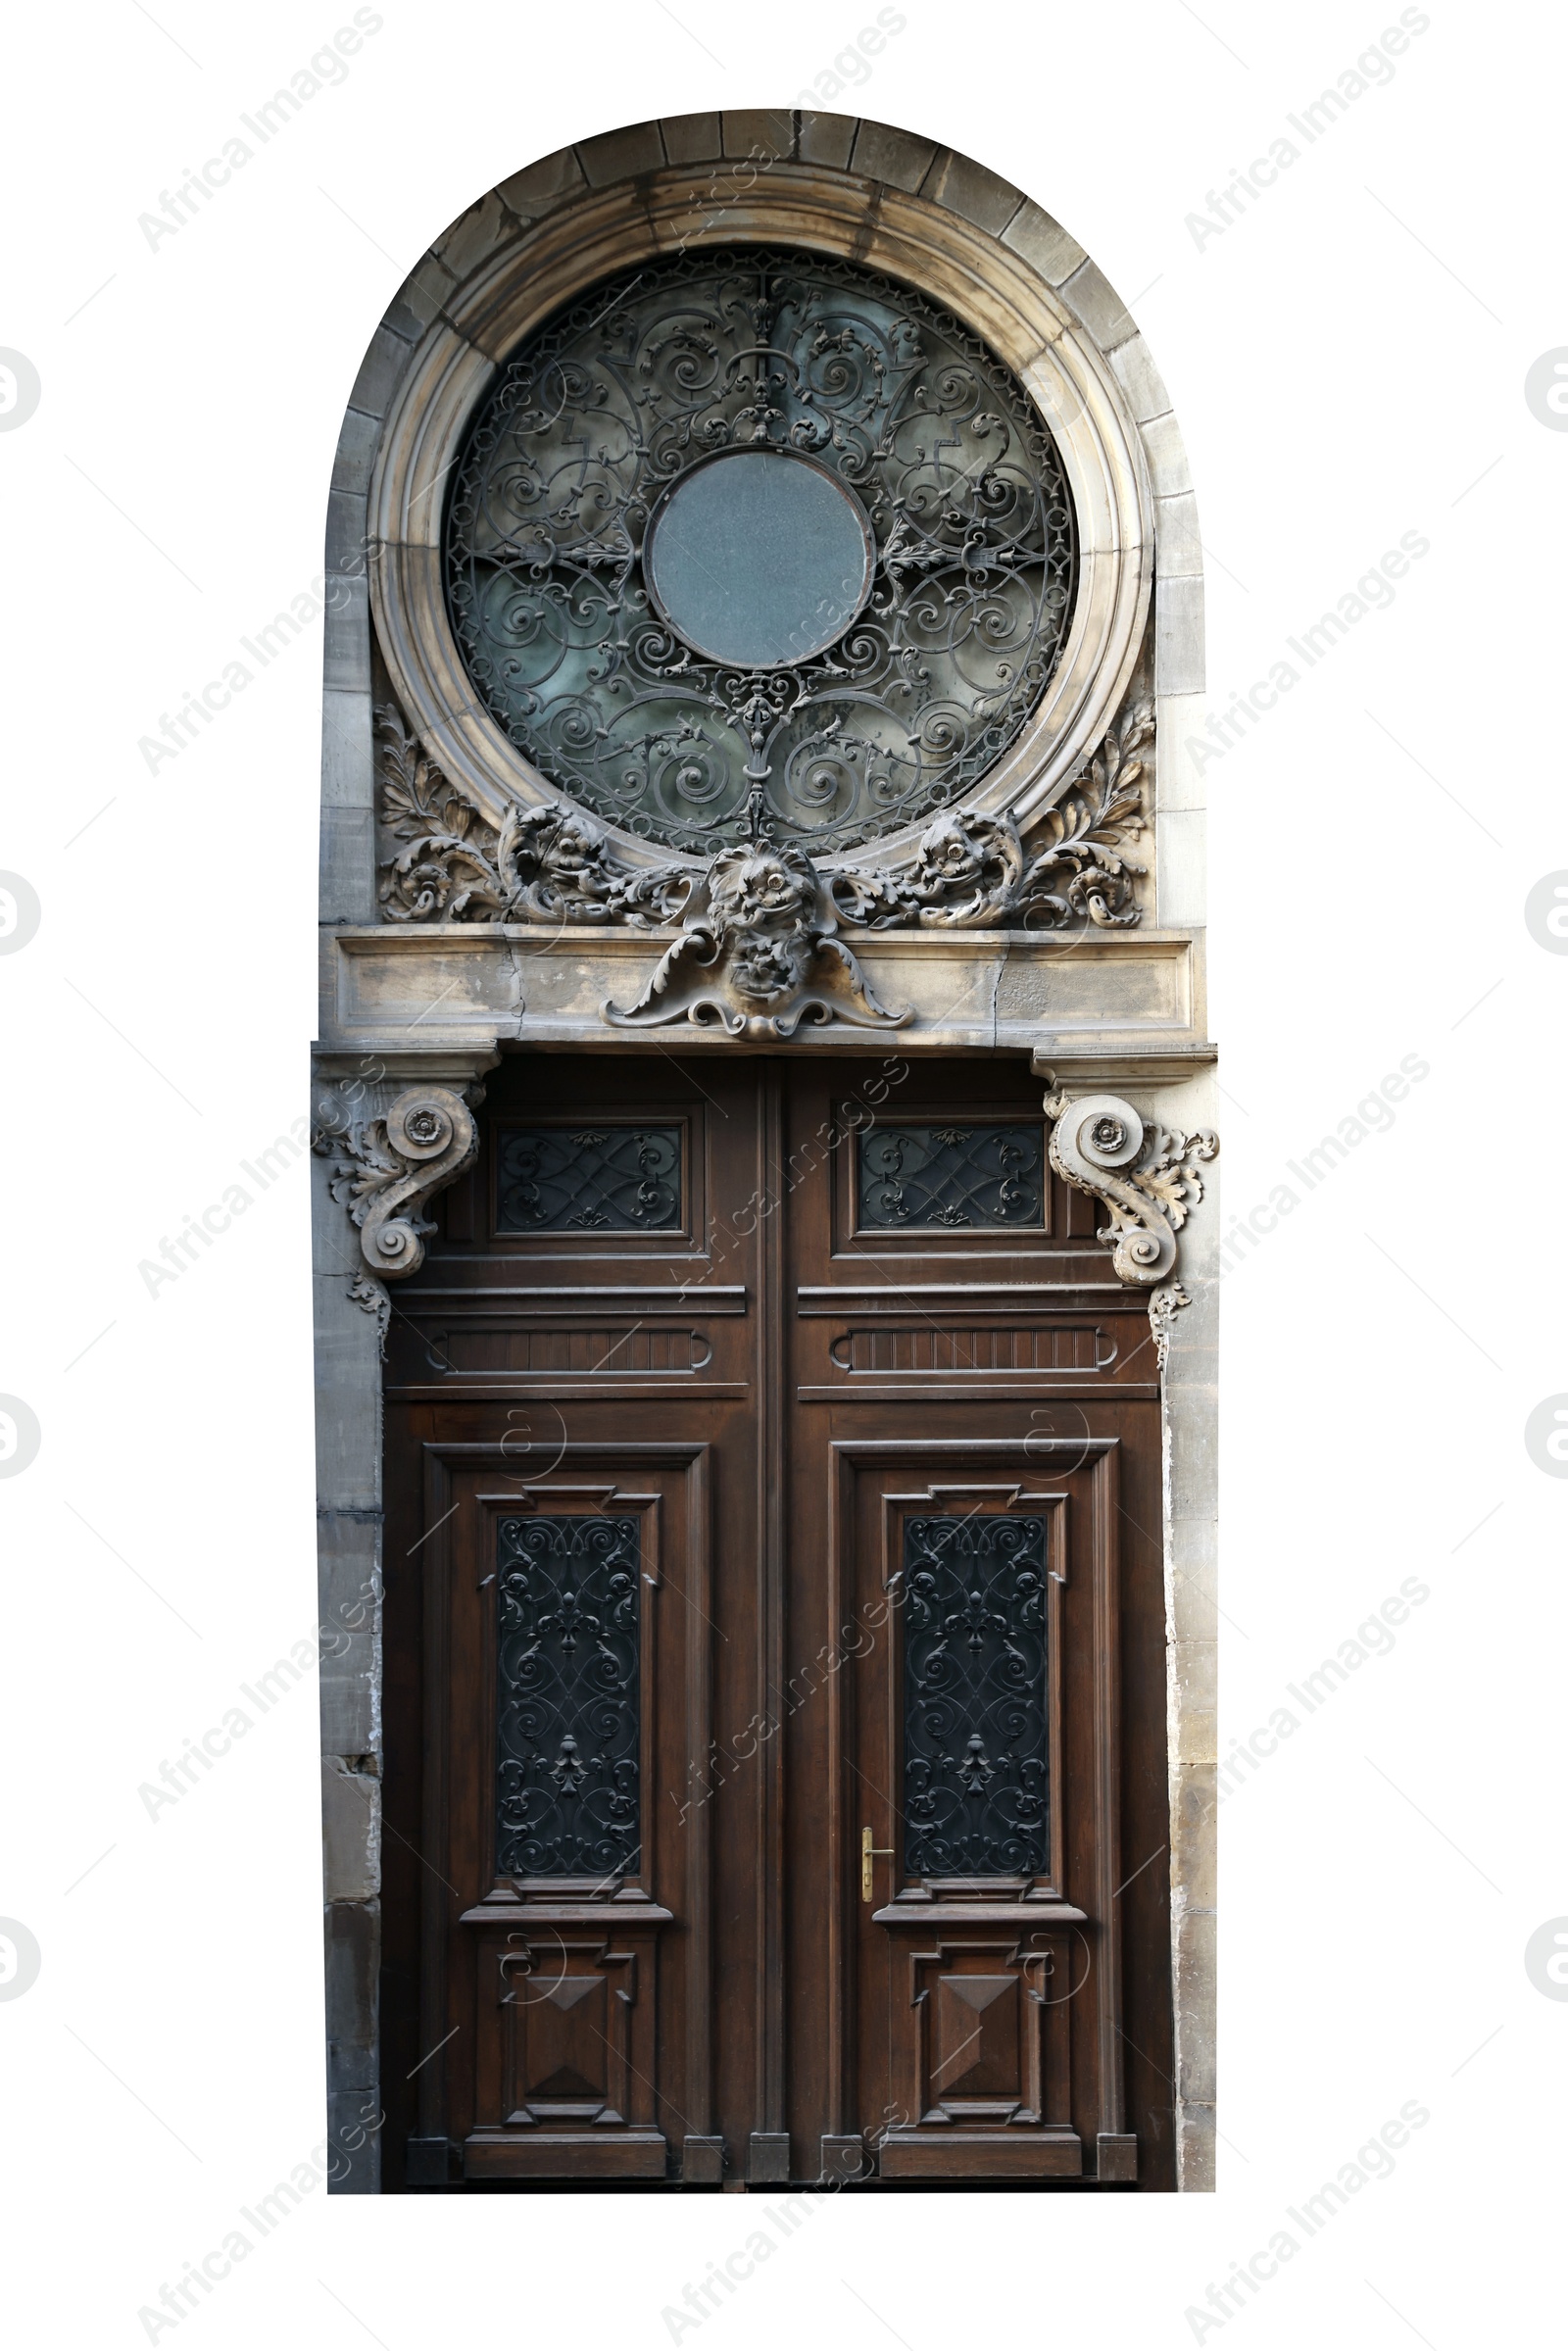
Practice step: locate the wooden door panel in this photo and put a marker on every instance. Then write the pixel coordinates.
(695, 1316)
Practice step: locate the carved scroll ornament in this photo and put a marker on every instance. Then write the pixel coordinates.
(388, 1169)
(1147, 1176)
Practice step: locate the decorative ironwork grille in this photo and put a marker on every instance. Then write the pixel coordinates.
(975, 1761)
(567, 1799)
(951, 1175)
(936, 443)
(589, 1179)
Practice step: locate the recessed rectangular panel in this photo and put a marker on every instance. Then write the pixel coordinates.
(976, 1757)
(961, 1176)
(595, 1178)
(567, 1794)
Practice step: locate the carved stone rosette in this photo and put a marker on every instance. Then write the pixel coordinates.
(1148, 1177)
(386, 1171)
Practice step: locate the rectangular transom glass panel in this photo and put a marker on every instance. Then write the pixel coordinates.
(589, 1179)
(975, 1757)
(567, 1796)
(960, 1175)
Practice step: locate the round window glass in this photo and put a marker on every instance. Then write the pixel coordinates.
(757, 559)
(757, 518)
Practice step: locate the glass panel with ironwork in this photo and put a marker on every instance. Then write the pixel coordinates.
(750, 517)
(567, 1796)
(966, 1175)
(975, 1761)
(602, 1178)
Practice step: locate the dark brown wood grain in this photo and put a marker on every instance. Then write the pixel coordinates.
(769, 1391)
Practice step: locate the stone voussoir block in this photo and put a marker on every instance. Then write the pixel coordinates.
(1044, 243)
(883, 153)
(759, 136)
(622, 153)
(692, 138)
(540, 187)
(827, 139)
(962, 185)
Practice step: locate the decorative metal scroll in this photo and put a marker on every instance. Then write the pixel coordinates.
(951, 1175)
(568, 1797)
(607, 1178)
(976, 1754)
(973, 555)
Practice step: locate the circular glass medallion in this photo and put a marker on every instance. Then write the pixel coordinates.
(659, 535)
(757, 558)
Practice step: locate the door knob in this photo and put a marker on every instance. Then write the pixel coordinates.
(870, 1853)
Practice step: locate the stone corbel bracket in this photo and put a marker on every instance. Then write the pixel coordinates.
(386, 1171)
(1147, 1175)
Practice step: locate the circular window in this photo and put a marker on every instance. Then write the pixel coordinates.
(759, 523)
(757, 558)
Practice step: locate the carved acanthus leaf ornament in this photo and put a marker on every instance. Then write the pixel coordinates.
(973, 871)
(550, 864)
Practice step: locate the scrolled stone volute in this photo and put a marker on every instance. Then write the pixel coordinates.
(1142, 1171)
(391, 1166)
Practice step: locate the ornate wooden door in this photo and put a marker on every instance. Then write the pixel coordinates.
(776, 1778)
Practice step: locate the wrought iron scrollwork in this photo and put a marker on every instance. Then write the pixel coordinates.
(969, 1175)
(972, 525)
(976, 1755)
(568, 1774)
(613, 1179)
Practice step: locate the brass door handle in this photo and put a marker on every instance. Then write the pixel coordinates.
(870, 1853)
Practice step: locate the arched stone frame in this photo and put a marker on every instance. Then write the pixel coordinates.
(984, 250)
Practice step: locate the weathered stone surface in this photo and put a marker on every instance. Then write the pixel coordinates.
(827, 139)
(1044, 243)
(1179, 637)
(475, 236)
(622, 153)
(967, 187)
(883, 153)
(540, 187)
(383, 362)
(351, 1827)
(1100, 307)
(693, 138)
(759, 136)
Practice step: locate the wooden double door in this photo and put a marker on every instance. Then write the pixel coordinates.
(775, 1763)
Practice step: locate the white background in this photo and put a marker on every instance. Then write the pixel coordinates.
(1347, 363)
